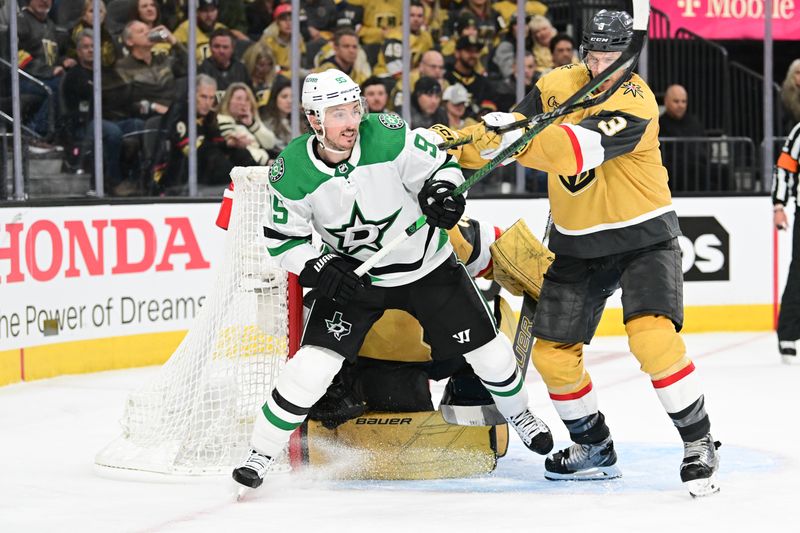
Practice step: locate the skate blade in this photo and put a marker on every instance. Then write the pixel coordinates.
(240, 492)
(789, 359)
(598, 473)
(699, 488)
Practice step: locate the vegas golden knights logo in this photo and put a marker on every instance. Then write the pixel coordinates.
(577, 184)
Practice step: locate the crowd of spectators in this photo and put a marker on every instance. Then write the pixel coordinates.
(463, 64)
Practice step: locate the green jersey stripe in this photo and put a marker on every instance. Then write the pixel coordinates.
(285, 247)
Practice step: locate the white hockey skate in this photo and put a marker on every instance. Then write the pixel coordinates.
(700, 465)
(788, 351)
(250, 474)
(583, 462)
(533, 431)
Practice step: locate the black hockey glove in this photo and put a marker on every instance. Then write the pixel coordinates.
(333, 277)
(442, 209)
(341, 402)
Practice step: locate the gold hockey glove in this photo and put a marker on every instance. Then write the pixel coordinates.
(520, 260)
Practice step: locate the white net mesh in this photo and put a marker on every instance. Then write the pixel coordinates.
(196, 417)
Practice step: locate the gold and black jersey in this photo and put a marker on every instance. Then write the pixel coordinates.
(607, 187)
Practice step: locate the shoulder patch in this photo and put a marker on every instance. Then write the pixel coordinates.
(391, 121)
(634, 89)
(276, 170)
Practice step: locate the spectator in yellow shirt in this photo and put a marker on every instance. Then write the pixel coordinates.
(278, 37)
(207, 22)
(390, 57)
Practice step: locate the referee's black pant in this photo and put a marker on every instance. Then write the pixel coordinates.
(789, 317)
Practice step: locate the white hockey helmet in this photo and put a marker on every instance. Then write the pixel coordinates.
(326, 89)
(322, 90)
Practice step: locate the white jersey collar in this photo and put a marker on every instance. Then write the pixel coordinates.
(325, 169)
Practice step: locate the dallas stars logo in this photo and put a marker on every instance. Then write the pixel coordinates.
(391, 121)
(632, 89)
(360, 233)
(338, 327)
(276, 170)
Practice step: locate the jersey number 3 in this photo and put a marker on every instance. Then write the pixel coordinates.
(613, 126)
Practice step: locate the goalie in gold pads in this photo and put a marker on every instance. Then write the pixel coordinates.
(613, 226)
(376, 420)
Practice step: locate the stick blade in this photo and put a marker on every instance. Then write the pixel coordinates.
(472, 415)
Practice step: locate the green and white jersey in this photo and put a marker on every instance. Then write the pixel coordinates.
(361, 203)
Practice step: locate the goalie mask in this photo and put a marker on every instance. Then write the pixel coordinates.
(609, 31)
(323, 90)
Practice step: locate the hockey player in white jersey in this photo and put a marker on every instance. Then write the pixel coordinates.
(359, 181)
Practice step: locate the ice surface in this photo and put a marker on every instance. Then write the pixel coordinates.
(53, 428)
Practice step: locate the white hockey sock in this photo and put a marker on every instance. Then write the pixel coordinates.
(303, 381)
(679, 390)
(576, 405)
(495, 365)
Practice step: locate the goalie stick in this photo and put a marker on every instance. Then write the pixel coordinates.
(535, 125)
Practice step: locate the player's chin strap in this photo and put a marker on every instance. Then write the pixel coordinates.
(320, 135)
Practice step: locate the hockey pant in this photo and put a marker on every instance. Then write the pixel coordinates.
(661, 354)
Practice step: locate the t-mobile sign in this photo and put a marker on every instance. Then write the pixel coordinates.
(732, 19)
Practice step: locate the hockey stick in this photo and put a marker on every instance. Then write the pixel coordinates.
(580, 100)
(641, 14)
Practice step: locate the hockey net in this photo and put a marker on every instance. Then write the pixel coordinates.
(196, 416)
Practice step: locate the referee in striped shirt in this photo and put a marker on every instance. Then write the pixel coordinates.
(784, 186)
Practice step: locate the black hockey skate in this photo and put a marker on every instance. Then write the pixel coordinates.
(700, 465)
(251, 473)
(583, 462)
(533, 431)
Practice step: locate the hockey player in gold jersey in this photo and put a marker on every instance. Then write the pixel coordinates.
(613, 226)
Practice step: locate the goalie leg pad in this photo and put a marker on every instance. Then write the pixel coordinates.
(495, 365)
(403, 445)
(303, 381)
